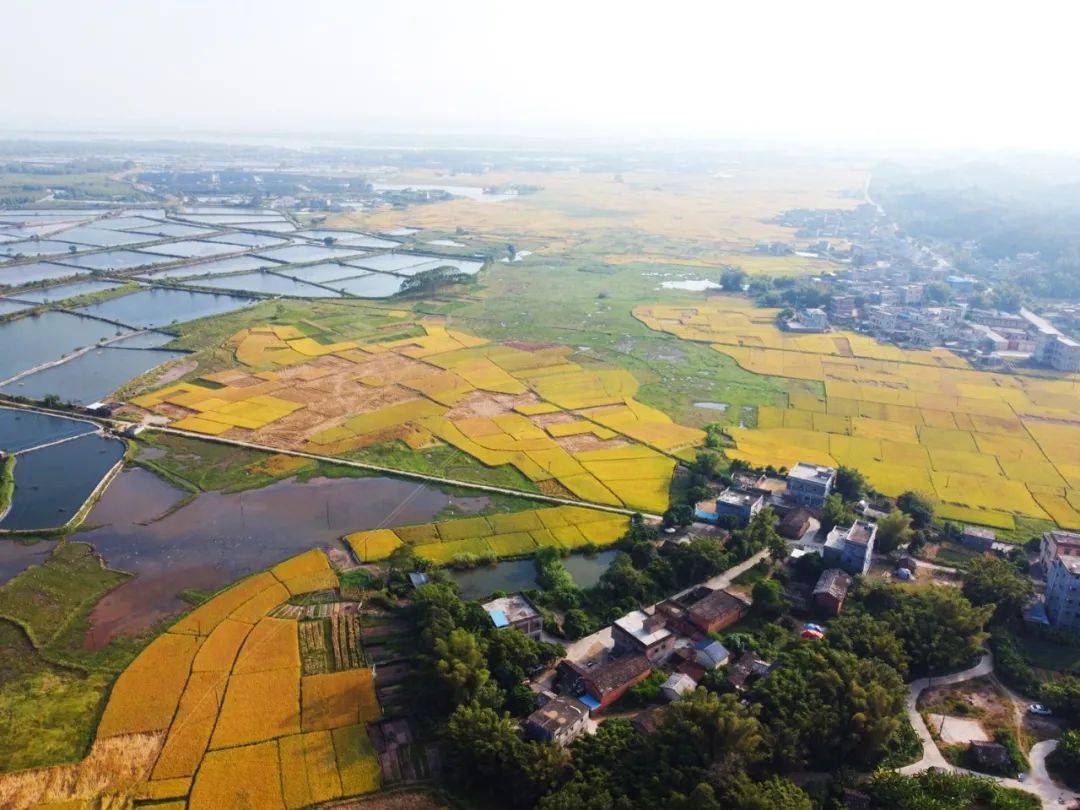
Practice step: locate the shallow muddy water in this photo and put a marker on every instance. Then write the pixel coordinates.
(218, 538)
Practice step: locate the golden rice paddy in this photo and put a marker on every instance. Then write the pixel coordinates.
(530, 408)
(987, 446)
(512, 535)
(241, 726)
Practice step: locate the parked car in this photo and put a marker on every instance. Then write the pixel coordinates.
(1038, 708)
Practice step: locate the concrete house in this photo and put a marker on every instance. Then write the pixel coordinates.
(640, 633)
(739, 504)
(1057, 544)
(515, 611)
(978, 538)
(559, 721)
(810, 484)
(1063, 592)
(851, 547)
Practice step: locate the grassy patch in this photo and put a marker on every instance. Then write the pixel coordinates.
(51, 687)
(7, 482)
(444, 461)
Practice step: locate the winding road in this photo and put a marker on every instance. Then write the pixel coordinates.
(1037, 782)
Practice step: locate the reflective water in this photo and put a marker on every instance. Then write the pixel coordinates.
(92, 376)
(52, 483)
(218, 537)
(160, 307)
(47, 336)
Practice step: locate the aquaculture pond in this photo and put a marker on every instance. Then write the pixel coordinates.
(22, 274)
(21, 429)
(118, 260)
(267, 283)
(520, 575)
(52, 483)
(45, 337)
(375, 285)
(65, 291)
(234, 264)
(90, 377)
(160, 307)
(218, 537)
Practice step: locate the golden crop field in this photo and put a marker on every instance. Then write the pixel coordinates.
(236, 723)
(587, 210)
(987, 446)
(512, 535)
(577, 432)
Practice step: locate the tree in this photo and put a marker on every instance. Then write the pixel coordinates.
(512, 655)
(775, 792)
(461, 665)
(850, 483)
(893, 531)
(732, 279)
(825, 707)
(918, 506)
(679, 515)
(835, 513)
(940, 629)
(860, 633)
(706, 464)
(487, 755)
(993, 581)
(1065, 759)
(1063, 696)
(768, 599)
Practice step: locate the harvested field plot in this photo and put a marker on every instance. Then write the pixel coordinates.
(513, 535)
(987, 446)
(534, 410)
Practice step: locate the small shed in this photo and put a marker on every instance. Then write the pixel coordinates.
(990, 756)
(710, 654)
(677, 685)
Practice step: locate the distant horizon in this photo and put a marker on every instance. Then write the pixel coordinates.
(925, 75)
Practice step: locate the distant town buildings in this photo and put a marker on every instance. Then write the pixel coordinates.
(851, 547)
(810, 484)
(515, 611)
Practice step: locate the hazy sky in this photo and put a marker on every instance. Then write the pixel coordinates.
(938, 73)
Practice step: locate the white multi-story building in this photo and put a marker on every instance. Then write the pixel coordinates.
(810, 484)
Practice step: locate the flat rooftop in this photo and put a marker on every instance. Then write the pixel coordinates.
(507, 610)
(812, 472)
(634, 624)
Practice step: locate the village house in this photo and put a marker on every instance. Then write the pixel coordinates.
(794, 524)
(515, 611)
(676, 686)
(639, 632)
(1057, 544)
(831, 591)
(1063, 592)
(978, 538)
(810, 484)
(559, 721)
(851, 547)
(717, 610)
(747, 668)
(710, 654)
(737, 504)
